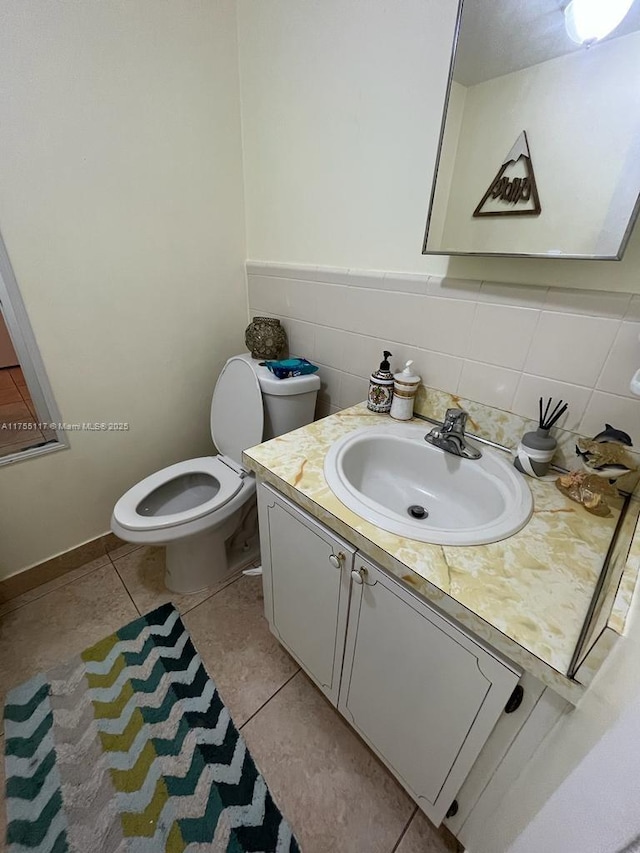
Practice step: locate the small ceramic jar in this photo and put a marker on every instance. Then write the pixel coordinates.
(535, 452)
(405, 385)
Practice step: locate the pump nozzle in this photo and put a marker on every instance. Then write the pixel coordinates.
(384, 364)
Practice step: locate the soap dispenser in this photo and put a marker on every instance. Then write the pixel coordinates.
(381, 387)
(405, 385)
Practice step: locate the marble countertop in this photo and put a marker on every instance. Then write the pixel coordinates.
(526, 596)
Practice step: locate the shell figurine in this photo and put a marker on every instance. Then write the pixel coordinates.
(606, 455)
(603, 460)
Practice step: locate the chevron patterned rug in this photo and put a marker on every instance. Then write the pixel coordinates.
(128, 747)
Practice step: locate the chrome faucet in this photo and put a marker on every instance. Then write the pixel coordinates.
(450, 436)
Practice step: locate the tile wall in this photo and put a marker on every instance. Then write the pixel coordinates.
(498, 344)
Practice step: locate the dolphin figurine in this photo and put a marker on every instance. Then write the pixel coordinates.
(605, 455)
(610, 433)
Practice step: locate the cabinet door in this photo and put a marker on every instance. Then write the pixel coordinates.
(306, 576)
(421, 693)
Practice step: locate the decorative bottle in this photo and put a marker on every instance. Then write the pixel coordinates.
(381, 387)
(405, 385)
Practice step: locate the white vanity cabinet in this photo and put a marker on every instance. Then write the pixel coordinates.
(306, 576)
(423, 693)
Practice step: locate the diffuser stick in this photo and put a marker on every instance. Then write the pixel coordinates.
(547, 420)
(555, 418)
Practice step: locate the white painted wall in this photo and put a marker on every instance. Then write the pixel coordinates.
(122, 209)
(341, 116)
(342, 107)
(583, 814)
(583, 149)
(587, 749)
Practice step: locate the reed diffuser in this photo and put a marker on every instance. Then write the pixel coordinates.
(536, 449)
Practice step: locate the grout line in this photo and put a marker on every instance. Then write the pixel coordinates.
(383, 341)
(613, 394)
(579, 428)
(472, 326)
(122, 556)
(531, 340)
(289, 272)
(299, 669)
(53, 589)
(404, 831)
(26, 399)
(233, 579)
(422, 349)
(539, 308)
(126, 588)
(607, 356)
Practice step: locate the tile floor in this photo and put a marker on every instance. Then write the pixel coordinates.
(16, 407)
(333, 790)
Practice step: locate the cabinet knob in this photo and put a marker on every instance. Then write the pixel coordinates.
(336, 560)
(359, 575)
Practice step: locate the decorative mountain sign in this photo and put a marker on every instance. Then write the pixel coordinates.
(513, 191)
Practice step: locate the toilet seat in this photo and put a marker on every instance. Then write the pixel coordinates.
(126, 510)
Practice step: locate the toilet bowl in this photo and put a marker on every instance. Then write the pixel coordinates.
(195, 507)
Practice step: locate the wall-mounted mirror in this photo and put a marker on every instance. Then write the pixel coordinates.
(540, 144)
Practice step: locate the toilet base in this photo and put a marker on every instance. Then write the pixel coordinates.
(198, 562)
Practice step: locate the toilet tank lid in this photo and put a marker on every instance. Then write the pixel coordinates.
(270, 384)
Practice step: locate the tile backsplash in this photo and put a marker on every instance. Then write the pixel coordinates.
(498, 344)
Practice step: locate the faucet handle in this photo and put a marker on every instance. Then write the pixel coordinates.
(451, 438)
(455, 418)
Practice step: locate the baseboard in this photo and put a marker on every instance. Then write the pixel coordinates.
(49, 570)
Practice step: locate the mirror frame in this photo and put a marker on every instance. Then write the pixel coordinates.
(425, 251)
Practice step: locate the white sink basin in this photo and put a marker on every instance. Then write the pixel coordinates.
(380, 472)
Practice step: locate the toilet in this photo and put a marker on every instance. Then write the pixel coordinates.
(197, 507)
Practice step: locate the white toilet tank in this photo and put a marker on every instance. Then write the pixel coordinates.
(250, 406)
(288, 403)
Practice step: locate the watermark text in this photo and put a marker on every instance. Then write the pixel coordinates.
(85, 426)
